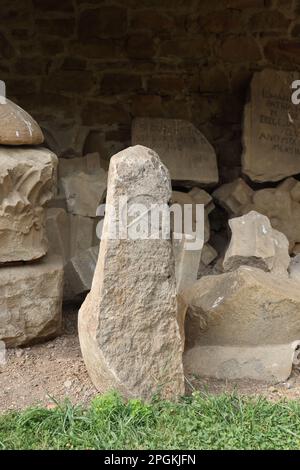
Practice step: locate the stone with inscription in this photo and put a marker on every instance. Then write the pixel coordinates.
(271, 128)
(183, 149)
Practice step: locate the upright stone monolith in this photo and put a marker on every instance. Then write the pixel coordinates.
(128, 329)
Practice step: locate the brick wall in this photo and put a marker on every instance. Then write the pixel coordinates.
(93, 65)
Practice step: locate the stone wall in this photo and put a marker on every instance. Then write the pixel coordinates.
(92, 65)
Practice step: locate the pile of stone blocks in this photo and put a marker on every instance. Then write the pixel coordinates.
(31, 277)
(72, 221)
(245, 322)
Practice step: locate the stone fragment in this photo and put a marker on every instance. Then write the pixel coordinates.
(234, 196)
(79, 272)
(281, 258)
(128, 328)
(27, 182)
(17, 127)
(294, 268)
(64, 140)
(208, 254)
(183, 199)
(279, 204)
(183, 148)
(251, 243)
(246, 307)
(31, 299)
(84, 192)
(58, 232)
(73, 238)
(187, 253)
(200, 196)
(271, 128)
(269, 363)
(90, 164)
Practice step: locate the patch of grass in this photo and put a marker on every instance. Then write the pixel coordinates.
(196, 422)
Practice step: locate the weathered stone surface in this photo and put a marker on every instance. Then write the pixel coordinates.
(16, 126)
(58, 232)
(246, 307)
(90, 163)
(186, 260)
(270, 363)
(84, 192)
(208, 254)
(128, 327)
(294, 268)
(234, 196)
(271, 128)
(31, 298)
(183, 199)
(72, 237)
(27, 182)
(279, 204)
(79, 272)
(251, 243)
(183, 148)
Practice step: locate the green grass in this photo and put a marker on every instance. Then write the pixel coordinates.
(197, 422)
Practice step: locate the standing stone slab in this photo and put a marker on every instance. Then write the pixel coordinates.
(271, 128)
(128, 331)
(183, 149)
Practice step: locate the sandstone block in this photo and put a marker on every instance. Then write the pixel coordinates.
(31, 298)
(128, 328)
(271, 122)
(17, 126)
(270, 363)
(84, 192)
(27, 182)
(246, 307)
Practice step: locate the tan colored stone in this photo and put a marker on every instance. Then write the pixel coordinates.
(186, 260)
(246, 307)
(17, 127)
(279, 204)
(208, 254)
(27, 182)
(31, 300)
(84, 192)
(251, 243)
(271, 128)
(270, 363)
(183, 148)
(79, 272)
(234, 196)
(128, 327)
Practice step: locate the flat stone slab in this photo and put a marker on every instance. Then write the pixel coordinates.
(270, 363)
(183, 149)
(271, 128)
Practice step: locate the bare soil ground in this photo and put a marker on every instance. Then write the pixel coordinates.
(55, 371)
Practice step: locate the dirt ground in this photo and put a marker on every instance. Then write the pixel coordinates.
(55, 370)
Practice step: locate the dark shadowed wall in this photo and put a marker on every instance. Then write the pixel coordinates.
(87, 67)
